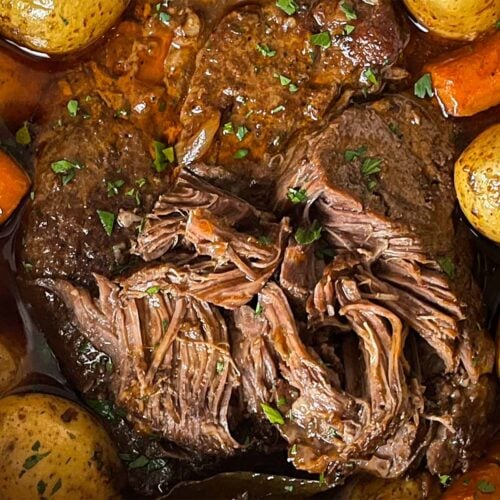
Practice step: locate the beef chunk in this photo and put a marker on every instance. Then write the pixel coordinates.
(174, 373)
(263, 74)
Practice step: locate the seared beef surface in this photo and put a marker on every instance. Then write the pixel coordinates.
(316, 282)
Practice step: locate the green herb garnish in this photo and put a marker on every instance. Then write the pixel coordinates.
(56, 487)
(241, 132)
(241, 153)
(23, 136)
(41, 487)
(444, 479)
(163, 155)
(423, 86)
(485, 486)
(323, 39)
(31, 461)
(348, 29)
(67, 169)
(278, 109)
(348, 11)
(258, 309)
(273, 415)
(164, 17)
(265, 50)
(73, 107)
(107, 220)
(352, 154)
(219, 367)
(370, 76)
(113, 187)
(288, 6)
(371, 166)
(284, 80)
(447, 266)
(297, 196)
(306, 236)
(228, 128)
(153, 290)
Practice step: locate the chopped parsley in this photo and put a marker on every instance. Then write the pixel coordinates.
(56, 487)
(485, 486)
(272, 414)
(284, 80)
(371, 166)
(370, 76)
(352, 154)
(297, 196)
(139, 462)
(107, 220)
(293, 88)
(445, 480)
(241, 153)
(23, 136)
(265, 50)
(36, 446)
(258, 309)
(321, 479)
(31, 461)
(153, 290)
(241, 132)
(306, 236)
(281, 401)
(41, 487)
(447, 266)
(348, 29)
(113, 187)
(293, 450)
(67, 169)
(121, 113)
(323, 39)
(289, 488)
(278, 109)
(348, 10)
(164, 17)
(228, 128)
(219, 367)
(287, 6)
(106, 409)
(423, 86)
(73, 107)
(163, 156)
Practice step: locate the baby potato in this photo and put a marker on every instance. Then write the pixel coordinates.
(59, 26)
(456, 19)
(52, 448)
(477, 182)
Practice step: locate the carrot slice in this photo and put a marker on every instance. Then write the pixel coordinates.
(467, 81)
(14, 184)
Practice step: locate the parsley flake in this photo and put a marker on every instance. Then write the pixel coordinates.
(297, 196)
(241, 153)
(348, 11)
(107, 220)
(228, 128)
(323, 39)
(31, 461)
(113, 187)
(278, 109)
(56, 487)
(287, 6)
(370, 76)
(153, 290)
(447, 266)
(371, 166)
(41, 487)
(485, 486)
(352, 154)
(73, 107)
(258, 309)
(219, 367)
(23, 136)
(444, 479)
(348, 29)
(306, 236)
(272, 414)
(163, 155)
(67, 169)
(164, 17)
(241, 132)
(265, 50)
(423, 86)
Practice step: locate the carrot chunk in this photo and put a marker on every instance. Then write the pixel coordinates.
(467, 81)
(14, 184)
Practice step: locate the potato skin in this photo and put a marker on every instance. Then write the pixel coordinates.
(59, 26)
(477, 182)
(48, 443)
(456, 19)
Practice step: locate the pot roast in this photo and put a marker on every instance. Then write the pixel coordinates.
(318, 285)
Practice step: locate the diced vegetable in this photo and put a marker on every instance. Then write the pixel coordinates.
(468, 80)
(14, 184)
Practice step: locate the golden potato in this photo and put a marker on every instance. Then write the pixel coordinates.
(57, 26)
(456, 19)
(52, 448)
(477, 181)
(9, 368)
